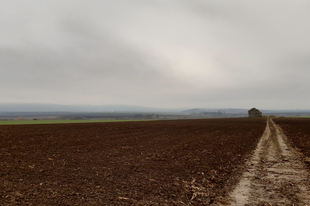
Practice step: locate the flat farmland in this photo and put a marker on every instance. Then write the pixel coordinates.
(19, 122)
(298, 132)
(180, 162)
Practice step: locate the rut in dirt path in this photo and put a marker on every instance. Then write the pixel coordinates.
(275, 175)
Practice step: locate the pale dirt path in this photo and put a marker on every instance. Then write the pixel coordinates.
(275, 174)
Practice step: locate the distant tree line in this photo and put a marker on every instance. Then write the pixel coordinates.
(146, 116)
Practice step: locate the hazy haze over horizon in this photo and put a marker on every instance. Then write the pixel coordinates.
(163, 54)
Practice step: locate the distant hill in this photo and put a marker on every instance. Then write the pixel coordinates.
(35, 107)
(227, 111)
(32, 107)
(245, 111)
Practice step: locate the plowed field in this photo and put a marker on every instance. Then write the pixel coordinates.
(184, 162)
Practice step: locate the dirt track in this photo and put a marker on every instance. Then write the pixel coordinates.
(275, 175)
(298, 132)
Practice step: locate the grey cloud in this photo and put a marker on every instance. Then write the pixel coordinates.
(97, 64)
(156, 53)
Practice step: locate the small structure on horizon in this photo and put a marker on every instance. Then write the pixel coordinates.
(255, 113)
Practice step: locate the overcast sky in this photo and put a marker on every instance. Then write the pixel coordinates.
(156, 53)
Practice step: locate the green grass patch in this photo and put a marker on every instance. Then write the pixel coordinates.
(19, 122)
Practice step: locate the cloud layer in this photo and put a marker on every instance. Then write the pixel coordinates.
(156, 53)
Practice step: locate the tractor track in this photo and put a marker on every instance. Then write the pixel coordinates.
(274, 175)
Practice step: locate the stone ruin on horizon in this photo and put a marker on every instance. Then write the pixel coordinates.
(255, 113)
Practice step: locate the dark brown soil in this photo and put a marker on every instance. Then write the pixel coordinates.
(184, 162)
